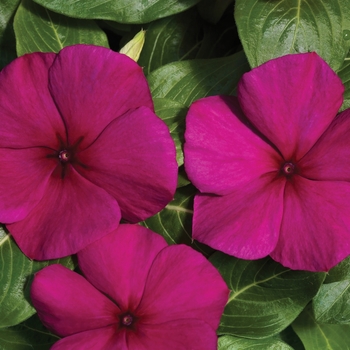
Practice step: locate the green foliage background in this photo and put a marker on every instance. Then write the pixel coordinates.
(193, 49)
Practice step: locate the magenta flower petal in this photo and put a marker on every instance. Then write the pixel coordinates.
(23, 180)
(176, 335)
(315, 233)
(170, 294)
(112, 84)
(72, 214)
(66, 303)
(135, 248)
(97, 339)
(291, 100)
(68, 105)
(28, 114)
(244, 223)
(329, 158)
(221, 152)
(134, 160)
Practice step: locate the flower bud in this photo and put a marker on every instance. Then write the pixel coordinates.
(133, 47)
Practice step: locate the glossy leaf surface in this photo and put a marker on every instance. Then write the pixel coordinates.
(38, 29)
(265, 296)
(16, 271)
(270, 29)
(188, 81)
(123, 11)
(321, 336)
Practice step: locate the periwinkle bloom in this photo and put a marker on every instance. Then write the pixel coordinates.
(273, 165)
(137, 293)
(80, 149)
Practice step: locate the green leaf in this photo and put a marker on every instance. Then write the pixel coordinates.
(289, 337)
(344, 75)
(38, 29)
(28, 335)
(123, 11)
(173, 114)
(16, 271)
(174, 222)
(171, 39)
(332, 303)
(182, 178)
(321, 336)
(270, 29)
(212, 10)
(186, 36)
(188, 81)
(265, 296)
(7, 35)
(234, 343)
(339, 272)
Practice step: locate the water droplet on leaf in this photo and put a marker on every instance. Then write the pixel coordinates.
(346, 34)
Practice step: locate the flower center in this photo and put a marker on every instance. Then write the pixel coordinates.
(288, 168)
(64, 156)
(127, 320)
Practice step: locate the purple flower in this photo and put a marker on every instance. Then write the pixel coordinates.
(139, 293)
(80, 147)
(273, 166)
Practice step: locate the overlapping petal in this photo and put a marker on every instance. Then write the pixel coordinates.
(28, 114)
(67, 304)
(188, 288)
(175, 335)
(93, 85)
(72, 213)
(173, 306)
(69, 102)
(315, 233)
(23, 181)
(329, 158)
(112, 263)
(291, 100)
(244, 223)
(134, 160)
(222, 152)
(97, 339)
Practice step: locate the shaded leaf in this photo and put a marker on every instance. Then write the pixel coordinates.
(339, 272)
(344, 74)
(290, 337)
(16, 271)
(187, 36)
(265, 296)
(212, 10)
(173, 114)
(228, 342)
(122, 11)
(188, 81)
(321, 336)
(38, 29)
(174, 222)
(7, 35)
(270, 29)
(28, 335)
(182, 177)
(332, 303)
(171, 39)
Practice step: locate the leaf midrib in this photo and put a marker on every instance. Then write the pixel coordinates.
(234, 295)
